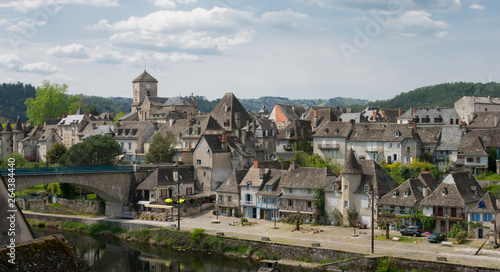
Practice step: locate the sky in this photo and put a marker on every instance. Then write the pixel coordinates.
(300, 49)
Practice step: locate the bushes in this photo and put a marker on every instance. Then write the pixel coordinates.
(461, 236)
(197, 235)
(92, 229)
(455, 229)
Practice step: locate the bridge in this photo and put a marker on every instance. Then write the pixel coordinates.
(115, 184)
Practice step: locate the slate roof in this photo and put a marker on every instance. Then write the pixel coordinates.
(485, 119)
(456, 190)
(130, 129)
(145, 77)
(351, 165)
(275, 180)
(18, 126)
(246, 149)
(307, 178)
(450, 138)
(390, 115)
(286, 155)
(392, 131)
(367, 132)
(333, 130)
(444, 113)
(476, 148)
(179, 101)
(253, 177)
(429, 135)
(165, 177)
(373, 174)
(489, 202)
(356, 116)
(489, 137)
(157, 101)
(220, 114)
(71, 119)
(415, 187)
(291, 112)
(101, 130)
(231, 184)
(325, 114)
(214, 142)
(295, 128)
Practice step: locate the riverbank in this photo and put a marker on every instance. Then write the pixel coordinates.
(328, 238)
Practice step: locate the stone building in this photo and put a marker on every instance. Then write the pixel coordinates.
(467, 106)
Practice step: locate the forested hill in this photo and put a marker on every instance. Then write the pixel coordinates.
(205, 105)
(441, 95)
(12, 97)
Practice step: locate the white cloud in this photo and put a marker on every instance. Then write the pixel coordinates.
(477, 7)
(70, 51)
(54, 5)
(364, 5)
(13, 62)
(169, 4)
(21, 25)
(418, 23)
(285, 19)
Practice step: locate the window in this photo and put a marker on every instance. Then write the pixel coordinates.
(367, 188)
(346, 187)
(334, 200)
(229, 199)
(269, 188)
(390, 145)
(395, 156)
(290, 190)
(248, 185)
(470, 159)
(204, 173)
(335, 187)
(346, 203)
(445, 191)
(478, 160)
(187, 132)
(129, 145)
(186, 144)
(309, 191)
(394, 193)
(398, 145)
(198, 162)
(288, 133)
(267, 145)
(364, 202)
(408, 149)
(189, 191)
(405, 193)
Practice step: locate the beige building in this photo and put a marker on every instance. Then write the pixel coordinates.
(467, 106)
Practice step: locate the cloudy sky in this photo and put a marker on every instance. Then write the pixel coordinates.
(298, 48)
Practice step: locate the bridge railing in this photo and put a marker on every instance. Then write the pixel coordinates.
(66, 170)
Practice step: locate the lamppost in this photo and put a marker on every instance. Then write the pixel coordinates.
(372, 206)
(446, 224)
(179, 200)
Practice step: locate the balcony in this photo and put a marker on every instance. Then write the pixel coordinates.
(388, 211)
(267, 206)
(328, 146)
(247, 203)
(284, 208)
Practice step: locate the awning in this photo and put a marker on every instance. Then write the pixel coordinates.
(158, 206)
(142, 202)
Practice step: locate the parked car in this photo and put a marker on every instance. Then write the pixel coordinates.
(436, 238)
(412, 231)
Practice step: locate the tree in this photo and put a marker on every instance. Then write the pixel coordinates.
(94, 150)
(73, 107)
(56, 152)
(319, 203)
(118, 116)
(19, 161)
(50, 102)
(161, 149)
(304, 144)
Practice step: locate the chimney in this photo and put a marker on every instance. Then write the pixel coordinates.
(65, 115)
(315, 119)
(255, 164)
(383, 114)
(175, 174)
(414, 111)
(254, 125)
(400, 112)
(94, 125)
(293, 165)
(243, 136)
(414, 124)
(374, 116)
(425, 192)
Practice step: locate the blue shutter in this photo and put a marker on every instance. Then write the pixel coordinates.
(484, 217)
(471, 217)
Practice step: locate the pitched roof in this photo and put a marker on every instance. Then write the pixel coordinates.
(145, 77)
(18, 126)
(450, 138)
(274, 179)
(157, 101)
(295, 130)
(485, 119)
(414, 188)
(351, 165)
(165, 177)
(227, 109)
(214, 143)
(291, 112)
(476, 148)
(488, 204)
(179, 101)
(374, 175)
(231, 184)
(7, 128)
(307, 178)
(131, 129)
(456, 190)
(333, 130)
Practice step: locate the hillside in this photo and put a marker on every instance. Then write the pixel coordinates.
(12, 100)
(269, 101)
(441, 95)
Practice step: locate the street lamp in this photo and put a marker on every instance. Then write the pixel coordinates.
(179, 200)
(372, 206)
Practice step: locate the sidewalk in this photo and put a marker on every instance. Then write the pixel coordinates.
(337, 238)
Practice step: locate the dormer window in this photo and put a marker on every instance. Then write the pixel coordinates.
(367, 189)
(327, 131)
(405, 193)
(445, 191)
(335, 189)
(288, 133)
(394, 193)
(248, 185)
(397, 133)
(481, 205)
(269, 188)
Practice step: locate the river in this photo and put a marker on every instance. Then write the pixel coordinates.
(112, 254)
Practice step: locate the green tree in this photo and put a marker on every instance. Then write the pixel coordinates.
(161, 149)
(74, 106)
(492, 159)
(319, 203)
(50, 102)
(56, 152)
(94, 150)
(118, 116)
(303, 144)
(68, 191)
(19, 161)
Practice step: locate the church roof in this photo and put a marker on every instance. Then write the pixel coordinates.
(145, 77)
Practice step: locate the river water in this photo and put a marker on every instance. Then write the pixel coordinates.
(112, 254)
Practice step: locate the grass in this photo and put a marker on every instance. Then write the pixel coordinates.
(403, 239)
(92, 228)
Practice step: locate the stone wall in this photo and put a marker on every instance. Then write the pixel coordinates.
(83, 206)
